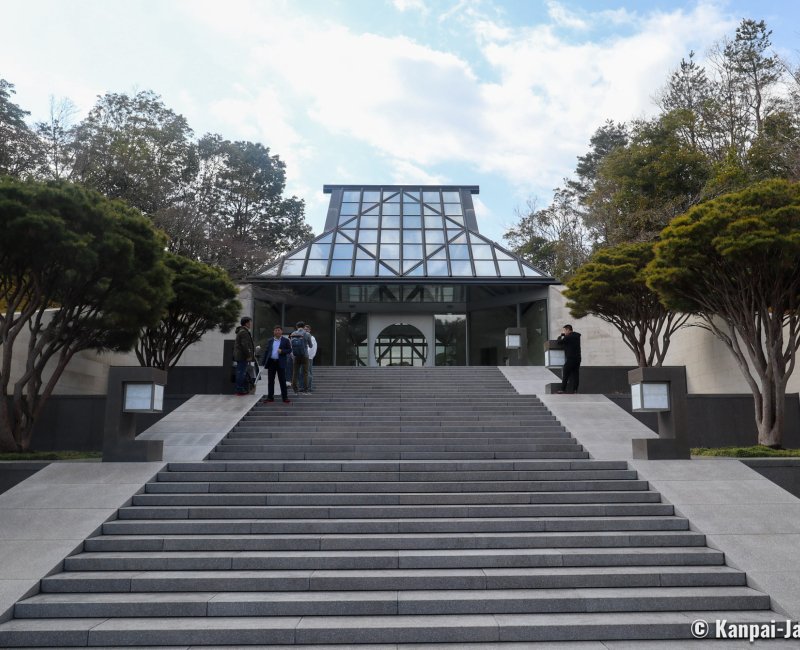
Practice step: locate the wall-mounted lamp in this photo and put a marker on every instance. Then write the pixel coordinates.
(553, 354)
(143, 397)
(513, 341)
(650, 396)
(517, 346)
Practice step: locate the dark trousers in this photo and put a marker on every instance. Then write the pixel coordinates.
(241, 378)
(300, 366)
(571, 373)
(274, 367)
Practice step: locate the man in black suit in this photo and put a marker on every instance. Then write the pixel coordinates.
(571, 342)
(278, 350)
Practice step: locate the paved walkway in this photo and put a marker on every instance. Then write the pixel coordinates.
(748, 517)
(46, 517)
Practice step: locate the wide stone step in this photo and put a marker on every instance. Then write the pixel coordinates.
(388, 603)
(291, 630)
(320, 445)
(417, 466)
(394, 512)
(327, 499)
(616, 553)
(576, 476)
(400, 455)
(287, 487)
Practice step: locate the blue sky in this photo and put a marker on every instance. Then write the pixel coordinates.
(500, 94)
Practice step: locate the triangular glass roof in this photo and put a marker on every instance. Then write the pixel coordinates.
(399, 232)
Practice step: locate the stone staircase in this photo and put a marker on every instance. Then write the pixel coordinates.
(393, 506)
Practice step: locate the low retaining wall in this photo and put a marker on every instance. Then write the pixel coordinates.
(784, 472)
(16, 471)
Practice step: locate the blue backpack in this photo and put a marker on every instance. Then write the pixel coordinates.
(299, 345)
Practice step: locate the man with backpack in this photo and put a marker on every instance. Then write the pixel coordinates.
(301, 343)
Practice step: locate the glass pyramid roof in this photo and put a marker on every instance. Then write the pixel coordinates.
(400, 232)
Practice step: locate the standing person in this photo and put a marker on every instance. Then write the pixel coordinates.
(571, 342)
(244, 351)
(301, 343)
(277, 352)
(312, 352)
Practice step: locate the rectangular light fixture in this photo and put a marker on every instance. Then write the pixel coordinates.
(650, 397)
(513, 341)
(554, 358)
(143, 397)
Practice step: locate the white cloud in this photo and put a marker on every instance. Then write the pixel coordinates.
(411, 5)
(419, 106)
(564, 17)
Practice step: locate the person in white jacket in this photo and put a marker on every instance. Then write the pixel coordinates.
(312, 352)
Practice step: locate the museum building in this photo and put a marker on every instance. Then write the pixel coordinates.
(402, 276)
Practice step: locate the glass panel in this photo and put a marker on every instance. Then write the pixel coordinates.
(370, 207)
(534, 319)
(529, 272)
(390, 251)
(451, 339)
(453, 232)
(342, 251)
(485, 268)
(437, 268)
(431, 248)
(349, 208)
(501, 255)
(351, 339)
(367, 236)
(345, 236)
(431, 197)
(391, 208)
(434, 236)
(416, 271)
(373, 209)
(317, 267)
(361, 254)
(452, 208)
(292, 267)
(390, 236)
(383, 270)
(412, 250)
(451, 197)
(433, 222)
(372, 248)
(273, 270)
(409, 264)
(365, 267)
(461, 267)
(299, 255)
(487, 345)
(369, 220)
(370, 196)
(411, 208)
(352, 196)
(412, 221)
(509, 269)
(432, 209)
(482, 252)
(340, 267)
(458, 220)
(325, 239)
(440, 254)
(391, 222)
(391, 195)
(459, 252)
(411, 196)
(461, 239)
(412, 236)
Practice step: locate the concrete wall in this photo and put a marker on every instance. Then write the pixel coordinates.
(710, 367)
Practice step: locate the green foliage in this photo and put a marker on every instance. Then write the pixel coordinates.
(757, 451)
(612, 286)
(20, 151)
(77, 272)
(204, 298)
(735, 261)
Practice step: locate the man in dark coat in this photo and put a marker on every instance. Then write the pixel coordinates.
(278, 350)
(244, 351)
(571, 342)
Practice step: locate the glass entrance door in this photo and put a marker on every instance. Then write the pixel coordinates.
(401, 344)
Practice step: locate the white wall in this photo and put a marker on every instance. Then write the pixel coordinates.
(710, 367)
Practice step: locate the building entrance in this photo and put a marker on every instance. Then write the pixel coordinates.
(401, 344)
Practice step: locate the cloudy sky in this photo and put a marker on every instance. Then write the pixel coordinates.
(503, 94)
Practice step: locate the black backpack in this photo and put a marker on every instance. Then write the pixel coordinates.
(299, 345)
